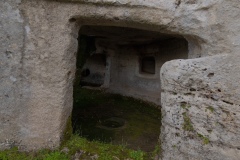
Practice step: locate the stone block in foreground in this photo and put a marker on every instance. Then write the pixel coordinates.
(201, 108)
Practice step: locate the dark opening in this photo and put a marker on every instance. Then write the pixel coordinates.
(147, 65)
(93, 71)
(85, 72)
(109, 57)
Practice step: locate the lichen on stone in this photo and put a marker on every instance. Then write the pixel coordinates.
(204, 139)
(184, 105)
(187, 124)
(210, 108)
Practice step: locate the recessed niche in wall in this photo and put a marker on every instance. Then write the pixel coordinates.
(93, 71)
(147, 65)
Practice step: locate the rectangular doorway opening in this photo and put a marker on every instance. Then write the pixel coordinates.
(117, 87)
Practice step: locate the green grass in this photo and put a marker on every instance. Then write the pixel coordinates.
(14, 154)
(77, 144)
(102, 150)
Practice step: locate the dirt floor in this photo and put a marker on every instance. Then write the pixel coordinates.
(116, 119)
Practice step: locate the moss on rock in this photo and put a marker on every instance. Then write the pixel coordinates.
(68, 131)
(187, 124)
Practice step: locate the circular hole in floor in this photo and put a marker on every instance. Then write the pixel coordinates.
(113, 123)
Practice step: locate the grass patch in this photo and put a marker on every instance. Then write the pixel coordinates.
(14, 154)
(101, 150)
(81, 146)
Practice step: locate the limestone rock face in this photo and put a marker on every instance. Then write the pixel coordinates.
(11, 50)
(201, 108)
(210, 26)
(38, 41)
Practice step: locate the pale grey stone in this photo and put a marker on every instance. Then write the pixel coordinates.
(37, 66)
(214, 121)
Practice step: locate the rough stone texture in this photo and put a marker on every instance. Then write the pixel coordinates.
(48, 69)
(38, 46)
(210, 25)
(201, 108)
(11, 41)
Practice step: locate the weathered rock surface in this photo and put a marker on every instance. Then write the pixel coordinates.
(11, 49)
(201, 108)
(37, 66)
